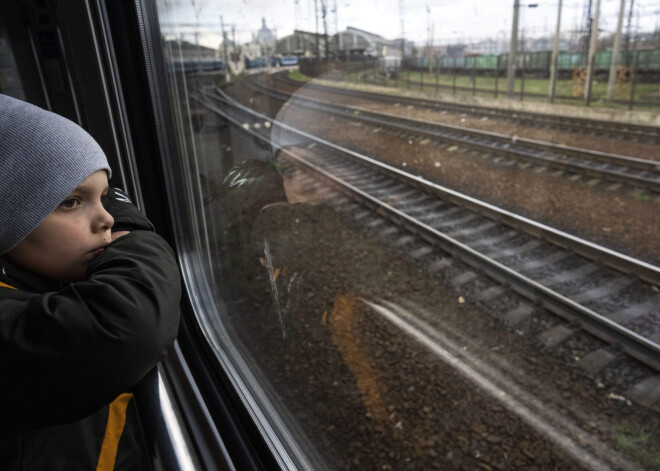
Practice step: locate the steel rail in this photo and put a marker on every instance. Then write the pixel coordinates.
(608, 257)
(637, 346)
(599, 156)
(506, 143)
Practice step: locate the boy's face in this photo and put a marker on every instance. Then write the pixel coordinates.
(66, 241)
(297, 185)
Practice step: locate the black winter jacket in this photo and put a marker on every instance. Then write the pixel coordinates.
(67, 351)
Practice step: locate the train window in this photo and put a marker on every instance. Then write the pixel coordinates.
(425, 236)
(10, 83)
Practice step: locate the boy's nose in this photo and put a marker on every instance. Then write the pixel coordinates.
(105, 221)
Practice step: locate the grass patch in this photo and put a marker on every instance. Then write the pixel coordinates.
(643, 446)
(643, 91)
(646, 95)
(296, 75)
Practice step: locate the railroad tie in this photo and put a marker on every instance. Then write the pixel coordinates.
(463, 278)
(526, 247)
(626, 315)
(473, 230)
(519, 314)
(605, 290)
(597, 360)
(556, 335)
(403, 240)
(491, 293)
(565, 277)
(646, 393)
(422, 251)
(554, 258)
(494, 240)
(440, 264)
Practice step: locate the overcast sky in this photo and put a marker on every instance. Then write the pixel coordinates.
(452, 20)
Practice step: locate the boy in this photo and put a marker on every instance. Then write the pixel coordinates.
(89, 299)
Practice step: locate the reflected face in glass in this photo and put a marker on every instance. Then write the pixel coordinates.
(71, 236)
(299, 186)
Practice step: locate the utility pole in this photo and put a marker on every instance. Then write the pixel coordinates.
(324, 12)
(298, 45)
(586, 33)
(197, 50)
(403, 35)
(555, 56)
(316, 17)
(233, 41)
(338, 33)
(614, 65)
(431, 50)
(592, 52)
(511, 69)
(224, 46)
(629, 29)
(428, 36)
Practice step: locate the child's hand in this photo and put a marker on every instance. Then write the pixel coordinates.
(118, 234)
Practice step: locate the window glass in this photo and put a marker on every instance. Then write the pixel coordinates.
(10, 83)
(416, 243)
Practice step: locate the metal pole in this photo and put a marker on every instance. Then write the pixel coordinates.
(631, 102)
(511, 70)
(524, 66)
(592, 54)
(316, 17)
(431, 51)
(338, 41)
(555, 57)
(614, 65)
(235, 49)
(403, 36)
(429, 41)
(324, 11)
(224, 44)
(497, 74)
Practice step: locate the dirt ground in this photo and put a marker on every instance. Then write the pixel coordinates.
(367, 395)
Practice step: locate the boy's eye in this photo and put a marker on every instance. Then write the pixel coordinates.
(69, 203)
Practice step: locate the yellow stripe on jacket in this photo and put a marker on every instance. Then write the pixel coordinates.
(113, 431)
(6, 285)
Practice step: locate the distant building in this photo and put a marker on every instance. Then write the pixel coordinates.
(265, 38)
(188, 51)
(353, 42)
(410, 47)
(300, 43)
(359, 41)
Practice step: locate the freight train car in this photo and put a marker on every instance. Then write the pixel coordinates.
(646, 62)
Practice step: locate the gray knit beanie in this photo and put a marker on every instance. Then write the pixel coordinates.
(43, 158)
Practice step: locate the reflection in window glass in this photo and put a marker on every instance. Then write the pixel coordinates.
(428, 246)
(10, 82)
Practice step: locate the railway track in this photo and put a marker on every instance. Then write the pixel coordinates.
(611, 129)
(613, 169)
(612, 296)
